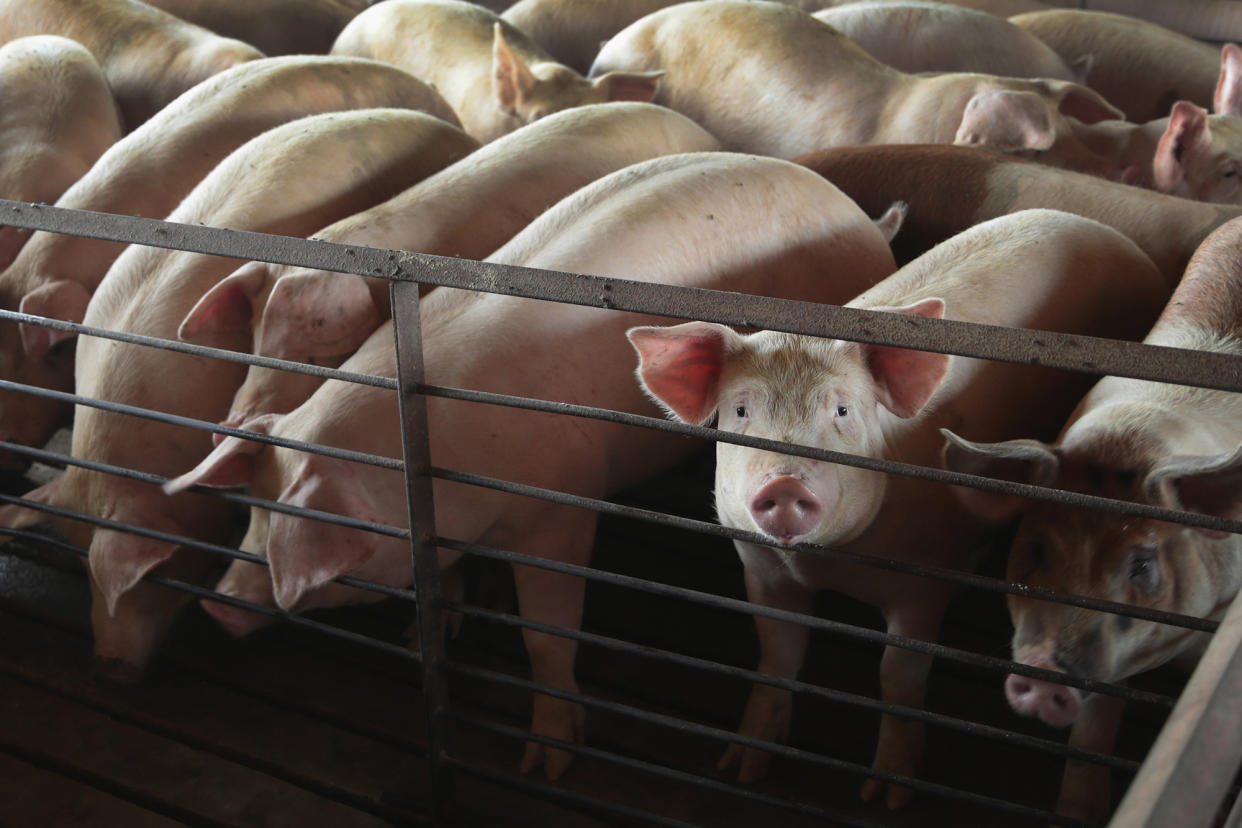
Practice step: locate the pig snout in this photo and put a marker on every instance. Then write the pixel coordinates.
(1055, 704)
(786, 509)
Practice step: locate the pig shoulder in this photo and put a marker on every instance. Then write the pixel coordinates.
(573, 30)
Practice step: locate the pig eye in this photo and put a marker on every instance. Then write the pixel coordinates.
(740, 411)
(1143, 568)
(842, 411)
(1230, 173)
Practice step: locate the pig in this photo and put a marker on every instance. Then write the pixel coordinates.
(1042, 269)
(712, 220)
(952, 188)
(148, 56)
(490, 73)
(58, 118)
(469, 209)
(274, 27)
(291, 179)
(764, 78)
(1141, 67)
(1217, 20)
(1165, 445)
(917, 36)
(54, 275)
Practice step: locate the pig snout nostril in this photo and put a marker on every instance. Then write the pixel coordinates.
(786, 509)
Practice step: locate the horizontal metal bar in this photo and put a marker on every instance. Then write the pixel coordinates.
(200, 350)
(663, 772)
(203, 425)
(715, 530)
(821, 624)
(936, 719)
(1076, 353)
(921, 785)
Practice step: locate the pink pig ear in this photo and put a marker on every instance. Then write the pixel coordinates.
(1209, 485)
(1005, 120)
(61, 299)
(1228, 97)
(228, 307)
(905, 380)
(628, 86)
(1019, 461)
(118, 560)
(231, 463)
(317, 314)
(512, 79)
(1186, 134)
(1083, 103)
(680, 366)
(307, 553)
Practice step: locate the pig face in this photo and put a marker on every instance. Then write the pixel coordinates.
(827, 394)
(1200, 156)
(1129, 560)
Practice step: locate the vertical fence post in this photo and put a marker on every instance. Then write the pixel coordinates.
(416, 448)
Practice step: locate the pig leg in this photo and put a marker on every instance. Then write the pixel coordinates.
(1086, 788)
(782, 646)
(903, 681)
(559, 534)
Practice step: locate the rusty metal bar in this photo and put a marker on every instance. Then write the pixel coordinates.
(416, 447)
(1193, 764)
(1070, 352)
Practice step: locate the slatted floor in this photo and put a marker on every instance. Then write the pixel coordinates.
(292, 728)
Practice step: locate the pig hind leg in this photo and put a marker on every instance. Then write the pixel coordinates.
(782, 647)
(560, 534)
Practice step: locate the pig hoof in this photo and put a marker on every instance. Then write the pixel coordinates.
(115, 671)
(895, 796)
(555, 762)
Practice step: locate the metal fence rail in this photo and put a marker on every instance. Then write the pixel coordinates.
(965, 339)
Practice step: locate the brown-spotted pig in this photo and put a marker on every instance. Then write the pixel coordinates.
(952, 188)
(148, 56)
(1040, 269)
(494, 77)
(147, 173)
(469, 209)
(711, 220)
(1157, 443)
(1141, 67)
(289, 180)
(919, 36)
(771, 79)
(274, 27)
(58, 118)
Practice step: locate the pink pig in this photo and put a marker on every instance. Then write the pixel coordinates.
(345, 162)
(1166, 445)
(771, 79)
(712, 220)
(1041, 269)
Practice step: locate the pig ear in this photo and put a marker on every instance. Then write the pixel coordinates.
(118, 560)
(1083, 103)
(1186, 133)
(14, 516)
(892, 220)
(628, 86)
(1209, 485)
(231, 463)
(512, 79)
(305, 553)
(1228, 97)
(318, 314)
(1006, 121)
(1018, 461)
(1081, 67)
(905, 379)
(680, 366)
(228, 307)
(61, 299)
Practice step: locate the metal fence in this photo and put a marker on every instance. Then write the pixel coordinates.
(1188, 778)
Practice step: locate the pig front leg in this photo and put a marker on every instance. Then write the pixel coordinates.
(560, 534)
(1086, 788)
(903, 681)
(782, 647)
